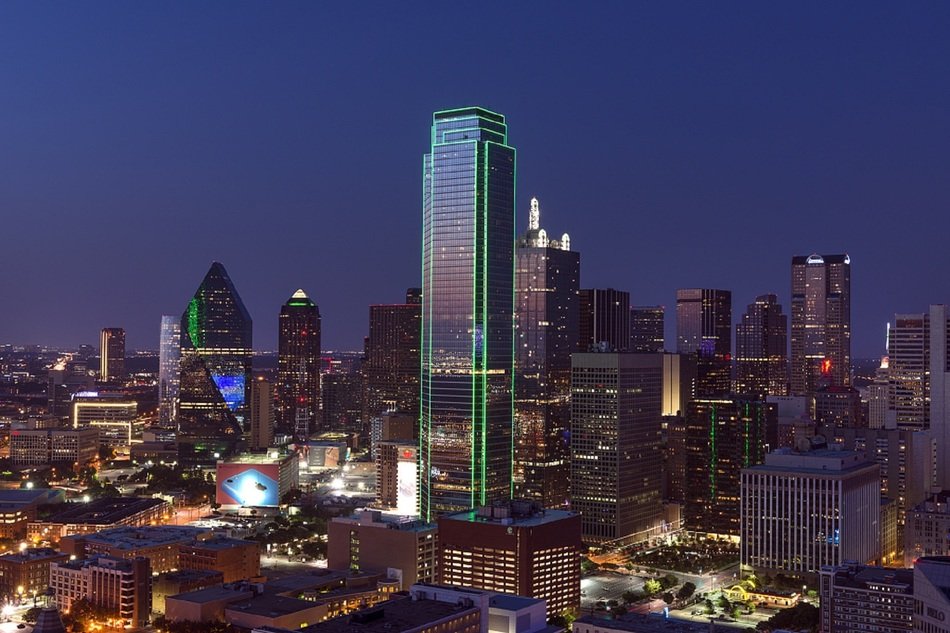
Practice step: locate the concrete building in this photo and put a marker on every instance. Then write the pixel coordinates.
(616, 456)
(122, 587)
(19, 507)
(175, 582)
(39, 447)
(261, 405)
(368, 541)
(839, 492)
(932, 594)
(397, 476)
(111, 354)
(514, 547)
(647, 325)
(854, 596)
(927, 529)
(236, 559)
(839, 407)
(100, 514)
(158, 543)
(114, 416)
(25, 574)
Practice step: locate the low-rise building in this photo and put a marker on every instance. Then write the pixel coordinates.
(159, 543)
(39, 447)
(852, 596)
(25, 574)
(370, 541)
(101, 514)
(256, 480)
(236, 559)
(176, 582)
(122, 587)
(19, 507)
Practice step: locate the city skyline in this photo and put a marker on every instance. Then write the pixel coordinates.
(776, 125)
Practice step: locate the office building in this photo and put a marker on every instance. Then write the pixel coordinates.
(115, 417)
(67, 377)
(940, 389)
(821, 323)
(391, 368)
(704, 329)
(122, 588)
(169, 369)
(342, 396)
(298, 366)
(927, 528)
(878, 398)
(647, 325)
(373, 542)
(19, 507)
(514, 547)
(467, 312)
(839, 491)
(173, 583)
(761, 344)
(236, 559)
(723, 436)
(604, 320)
(25, 574)
(395, 426)
(616, 458)
(839, 407)
(160, 544)
(99, 514)
(111, 354)
(855, 596)
(216, 348)
(932, 594)
(54, 446)
(397, 476)
(908, 370)
(679, 382)
(261, 406)
(674, 459)
(547, 277)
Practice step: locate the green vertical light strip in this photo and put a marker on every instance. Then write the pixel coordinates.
(194, 321)
(514, 341)
(472, 469)
(484, 357)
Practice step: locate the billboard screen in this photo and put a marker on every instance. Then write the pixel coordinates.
(253, 485)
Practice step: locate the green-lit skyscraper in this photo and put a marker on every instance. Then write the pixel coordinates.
(465, 435)
(215, 368)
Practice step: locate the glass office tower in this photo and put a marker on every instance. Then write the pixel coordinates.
(468, 239)
(215, 369)
(169, 368)
(298, 366)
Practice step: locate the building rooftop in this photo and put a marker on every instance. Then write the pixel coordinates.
(393, 616)
(516, 512)
(229, 592)
(272, 605)
(865, 577)
(26, 497)
(511, 602)
(378, 518)
(269, 457)
(652, 623)
(32, 554)
(105, 510)
(816, 461)
(219, 543)
(131, 538)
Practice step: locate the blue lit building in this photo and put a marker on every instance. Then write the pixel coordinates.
(468, 241)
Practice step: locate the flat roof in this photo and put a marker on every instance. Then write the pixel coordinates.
(131, 538)
(539, 518)
(213, 594)
(31, 554)
(272, 605)
(652, 623)
(393, 616)
(104, 511)
(511, 602)
(220, 543)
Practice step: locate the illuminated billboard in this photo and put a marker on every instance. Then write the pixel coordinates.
(407, 482)
(254, 485)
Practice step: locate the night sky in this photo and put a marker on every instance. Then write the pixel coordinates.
(696, 144)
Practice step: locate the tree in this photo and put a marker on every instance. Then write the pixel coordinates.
(669, 580)
(668, 597)
(631, 596)
(687, 590)
(31, 614)
(565, 619)
(652, 587)
(801, 617)
(724, 603)
(736, 611)
(710, 608)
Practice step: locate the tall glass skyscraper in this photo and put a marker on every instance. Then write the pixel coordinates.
(298, 366)
(468, 240)
(169, 368)
(215, 369)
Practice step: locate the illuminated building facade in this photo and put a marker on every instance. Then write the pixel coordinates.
(216, 349)
(391, 368)
(704, 329)
(761, 344)
(604, 320)
(111, 354)
(261, 405)
(647, 325)
(616, 456)
(547, 277)
(298, 366)
(116, 418)
(169, 369)
(121, 587)
(468, 242)
(723, 436)
(36, 447)
(397, 476)
(821, 323)
(25, 574)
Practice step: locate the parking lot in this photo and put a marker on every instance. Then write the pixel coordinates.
(607, 586)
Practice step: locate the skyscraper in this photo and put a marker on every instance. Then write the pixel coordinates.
(169, 368)
(111, 354)
(704, 328)
(468, 295)
(605, 319)
(821, 322)
(908, 349)
(298, 366)
(761, 343)
(647, 328)
(547, 275)
(215, 368)
(616, 457)
(261, 405)
(391, 368)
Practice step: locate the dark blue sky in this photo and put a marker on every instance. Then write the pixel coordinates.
(695, 144)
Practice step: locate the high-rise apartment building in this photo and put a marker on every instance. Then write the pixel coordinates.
(391, 368)
(837, 491)
(547, 278)
(704, 329)
(821, 323)
(111, 354)
(514, 547)
(647, 325)
(467, 312)
(298, 366)
(723, 436)
(261, 407)
(761, 344)
(616, 458)
(169, 369)
(216, 348)
(604, 320)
